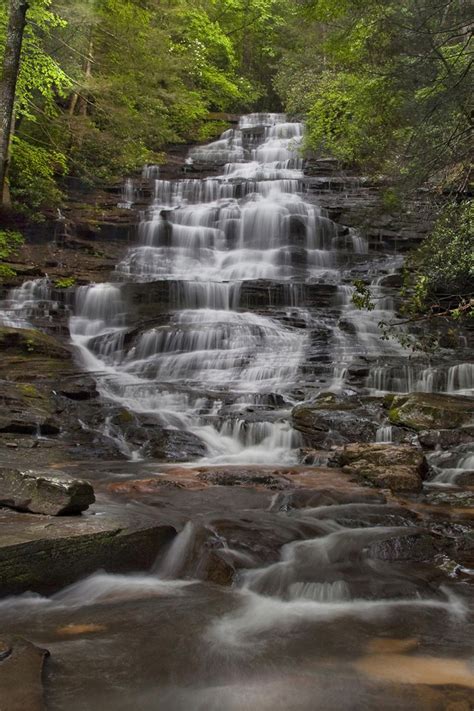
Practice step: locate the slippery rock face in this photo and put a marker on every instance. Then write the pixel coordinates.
(427, 411)
(396, 467)
(26, 410)
(332, 419)
(43, 494)
(45, 554)
(145, 433)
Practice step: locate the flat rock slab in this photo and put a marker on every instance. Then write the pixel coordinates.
(45, 554)
(39, 492)
(21, 670)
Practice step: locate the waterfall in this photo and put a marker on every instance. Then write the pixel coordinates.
(208, 237)
(236, 253)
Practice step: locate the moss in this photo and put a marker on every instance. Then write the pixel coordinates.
(28, 390)
(388, 399)
(125, 417)
(394, 415)
(420, 411)
(65, 282)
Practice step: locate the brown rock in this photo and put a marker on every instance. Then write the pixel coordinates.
(44, 494)
(396, 467)
(21, 686)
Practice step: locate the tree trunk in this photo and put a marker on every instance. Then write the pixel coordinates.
(11, 66)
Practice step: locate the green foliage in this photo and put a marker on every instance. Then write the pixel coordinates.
(352, 117)
(208, 130)
(391, 199)
(385, 84)
(33, 175)
(10, 242)
(362, 296)
(64, 282)
(440, 273)
(104, 85)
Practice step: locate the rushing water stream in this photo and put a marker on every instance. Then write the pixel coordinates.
(327, 604)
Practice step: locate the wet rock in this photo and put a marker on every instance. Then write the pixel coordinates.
(41, 493)
(143, 486)
(392, 280)
(445, 439)
(456, 499)
(357, 371)
(309, 498)
(174, 445)
(30, 342)
(396, 467)
(29, 355)
(21, 670)
(427, 411)
(412, 546)
(232, 477)
(147, 434)
(202, 557)
(26, 410)
(79, 388)
(332, 419)
(45, 555)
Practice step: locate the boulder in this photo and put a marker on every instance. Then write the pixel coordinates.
(396, 467)
(244, 477)
(428, 411)
(44, 494)
(166, 445)
(333, 419)
(80, 388)
(21, 671)
(175, 445)
(445, 439)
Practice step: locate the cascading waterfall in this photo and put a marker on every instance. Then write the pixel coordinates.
(213, 366)
(207, 237)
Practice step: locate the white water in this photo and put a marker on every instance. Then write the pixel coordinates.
(30, 300)
(210, 362)
(207, 237)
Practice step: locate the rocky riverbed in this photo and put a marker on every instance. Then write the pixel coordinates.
(283, 501)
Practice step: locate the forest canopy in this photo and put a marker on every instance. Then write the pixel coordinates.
(104, 85)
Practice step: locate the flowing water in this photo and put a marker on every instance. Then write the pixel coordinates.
(327, 609)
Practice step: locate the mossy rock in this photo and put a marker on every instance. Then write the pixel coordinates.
(44, 554)
(29, 354)
(26, 410)
(396, 467)
(30, 342)
(427, 411)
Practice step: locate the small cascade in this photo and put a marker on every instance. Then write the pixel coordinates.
(32, 301)
(461, 379)
(150, 171)
(449, 466)
(384, 434)
(358, 335)
(408, 377)
(173, 564)
(129, 193)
